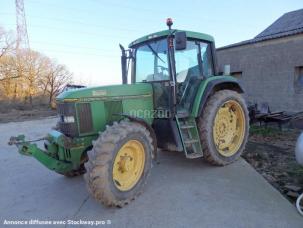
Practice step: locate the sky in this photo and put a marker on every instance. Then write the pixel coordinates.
(84, 34)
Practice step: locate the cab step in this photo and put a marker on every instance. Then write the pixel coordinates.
(190, 141)
(194, 155)
(187, 126)
(189, 136)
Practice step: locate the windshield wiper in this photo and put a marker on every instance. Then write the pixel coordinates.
(154, 52)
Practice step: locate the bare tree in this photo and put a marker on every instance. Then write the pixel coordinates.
(27, 73)
(31, 67)
(56, 79)
(8, 75)
(7, 42)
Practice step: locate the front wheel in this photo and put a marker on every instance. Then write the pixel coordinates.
(224, 127)
(119, 163)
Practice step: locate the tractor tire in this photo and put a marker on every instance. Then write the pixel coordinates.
(224, 127)
(119, 163)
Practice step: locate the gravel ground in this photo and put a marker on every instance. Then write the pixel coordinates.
(25, 115)
(271, 152)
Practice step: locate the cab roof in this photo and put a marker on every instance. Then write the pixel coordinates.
(164, 33)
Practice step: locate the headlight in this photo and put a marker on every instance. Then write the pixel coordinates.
(68, 119)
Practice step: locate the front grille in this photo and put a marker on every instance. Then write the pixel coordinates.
(67, 109)
(85, 118)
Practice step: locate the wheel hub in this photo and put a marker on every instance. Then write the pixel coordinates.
(129, 165)
(229, 128)
(125, 163)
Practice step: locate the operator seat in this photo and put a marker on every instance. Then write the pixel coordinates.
(189, 88)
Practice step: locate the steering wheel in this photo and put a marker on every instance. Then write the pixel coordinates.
(162, 68)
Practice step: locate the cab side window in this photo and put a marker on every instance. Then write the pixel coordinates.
(206, 57)
(192, 64)
(187, 62)
(195, 60)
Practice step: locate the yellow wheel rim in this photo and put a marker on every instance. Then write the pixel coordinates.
(129, 165)
(229, 128)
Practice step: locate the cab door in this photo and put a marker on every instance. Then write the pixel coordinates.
(152, 66)
(192, 65)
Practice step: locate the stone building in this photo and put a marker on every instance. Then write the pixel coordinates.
(270, 66)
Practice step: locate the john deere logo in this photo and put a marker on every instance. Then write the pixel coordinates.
(99, 93)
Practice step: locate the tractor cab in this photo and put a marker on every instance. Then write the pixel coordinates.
(174, 62)
(181, 68)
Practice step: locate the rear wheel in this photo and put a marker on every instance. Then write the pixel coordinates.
(119, 163)
(224, 127)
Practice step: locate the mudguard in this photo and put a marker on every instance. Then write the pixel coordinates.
(210, 85)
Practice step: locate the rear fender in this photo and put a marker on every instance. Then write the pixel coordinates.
(209, 87)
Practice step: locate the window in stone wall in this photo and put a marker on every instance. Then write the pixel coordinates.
(237, 75)
(298, 82)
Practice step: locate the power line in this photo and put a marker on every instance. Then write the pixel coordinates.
(77, 22)
(107, 4)
(100, 35)
(183, 13)
(58, 7)
(11, 14)
(83, 54)
(84, 23)
(79, 10)
(72, 46)
(80, 22)
(76, 32)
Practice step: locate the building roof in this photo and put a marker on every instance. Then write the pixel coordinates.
(290, 23)
(164, 33)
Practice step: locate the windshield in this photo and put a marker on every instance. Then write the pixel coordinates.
(152, 62)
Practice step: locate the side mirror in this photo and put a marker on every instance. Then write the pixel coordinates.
(180, 40)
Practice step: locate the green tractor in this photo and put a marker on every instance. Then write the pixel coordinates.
(175, 101)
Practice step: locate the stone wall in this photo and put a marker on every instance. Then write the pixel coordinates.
(267, 70)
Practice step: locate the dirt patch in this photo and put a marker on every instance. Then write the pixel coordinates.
(15, 115)
(271, 152)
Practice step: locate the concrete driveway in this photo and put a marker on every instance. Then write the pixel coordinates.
(179, 193)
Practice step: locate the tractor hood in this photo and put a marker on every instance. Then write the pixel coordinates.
(107, 92)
